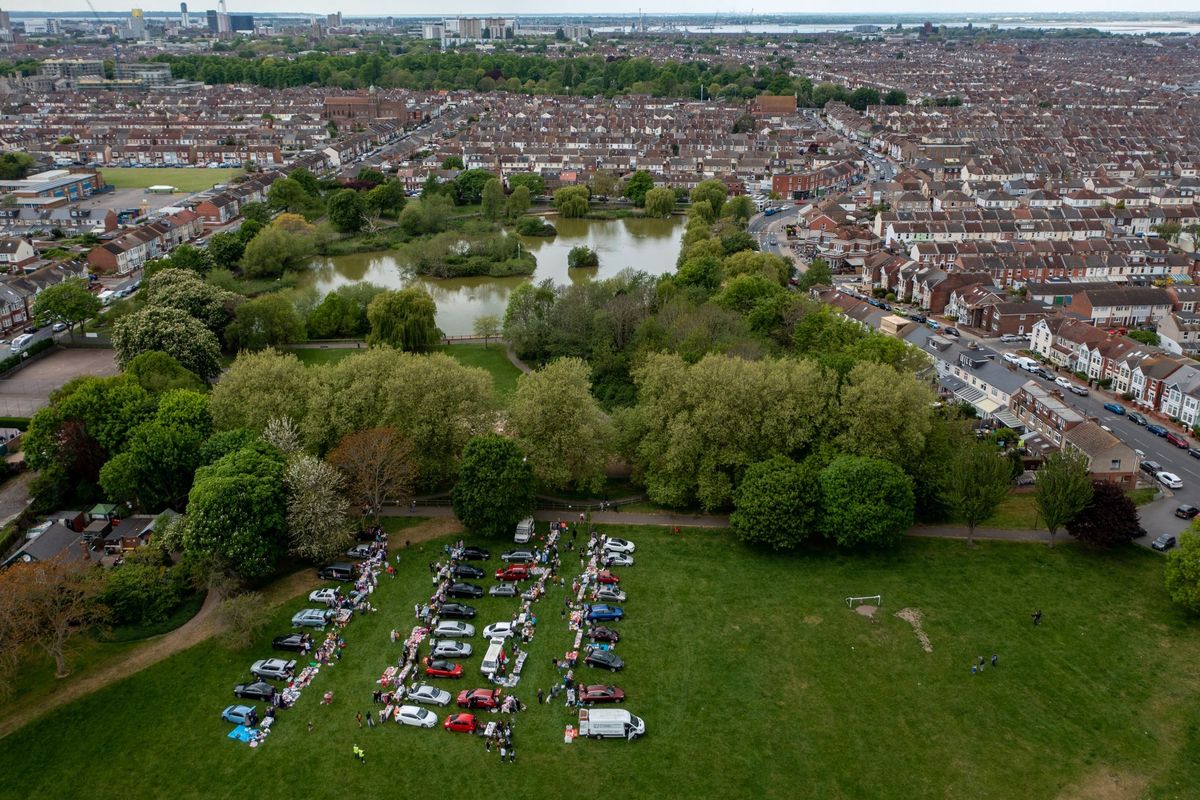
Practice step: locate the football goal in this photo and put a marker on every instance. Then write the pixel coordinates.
(873, 599)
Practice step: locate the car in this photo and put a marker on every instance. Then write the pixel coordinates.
(1042, 372)
(416, 716)
(1136, 418)
(616, 560)
(1063, 382)
(601, 693)
(1179, 441)
(1010, 338)
(499, 630)
(604, 576)
(1169, 479)
(462, 723)
(336, 572)
(274, 668)
(610, 594)
(466, 571)
(519, 556)
(503, 590)
(1187, 512)
(1164, 542)
(311, 618)
(323, 596)
(1157, 430)
(429, 695)
(601, 633)
(1115, 408)
(240, 715)
(479, 698)
(475, 554)
(453, 629)
(951, 331)
(604, 613)
(1011, 358)
(359, 551)
(438, 668)
(59, 327)
(603, 659)
(1194, 452)
(1151, 467)
(515, 572)
(295, 642)
(258, 690)
(1082, 391)
(33, 328)
(918, 318)
(619, 546)
(450, 648)
(464, 590)
(457, 611)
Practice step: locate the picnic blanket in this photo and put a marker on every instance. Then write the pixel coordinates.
(243, 734)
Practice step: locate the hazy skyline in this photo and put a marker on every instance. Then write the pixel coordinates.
(722, 7)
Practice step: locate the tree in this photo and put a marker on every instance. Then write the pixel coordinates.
(660, 202)
(582, 256)
(187, 291)
(865, 501)
(571, 201)
(347, 211)
(49, 602)
(193, 258)
(276, 249)
(69, 302)
(752, 262)
(1109, 519)
(518, 202)
(527, 318)
(487, 326)
(560, 427)
(740, 208)
(157, 372)
(534, 184)
(226, 249)
(884, 413)
(1168, 230)
(259, 387)
(378, 466)
(1182, 574)
(242, 619)
(288, 194)
(172, 331)
(318, 528)
(387, 198)
(895, 97)
(256, 212)
(492, 199)
(637, 186)
(404, 319)
(343, 312)
(817, 274)
(603, 183)
(778, 503)
(15, 165)
(265, 321)
(452, 162)
(426, 216)
(1063, 489)
(976, 484)
(1145, 337)
(469, 185)
(713, 192)
(495, 488)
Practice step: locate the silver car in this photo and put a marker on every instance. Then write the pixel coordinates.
(503, 590)
(310, 618)
(617, 560)
(610, 594)
(454, 629)
(449, 648)
(416, 716)
(429, 695)
(275, 668)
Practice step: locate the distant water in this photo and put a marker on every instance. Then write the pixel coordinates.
(1138, 27)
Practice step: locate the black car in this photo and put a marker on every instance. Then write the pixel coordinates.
(336, 572)
(466, 571)
(604, 659)
(1194, 452)
(259, 690)
(295, 642)
(603, 634)
(1164, 542)
(464, 590)
(1187, 512)
(1151, 467)
(457, 611)
(1136, 418)
(475, 554)
(917, 318)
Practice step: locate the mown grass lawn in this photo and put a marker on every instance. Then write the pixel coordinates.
(185, 179)
(753, 678)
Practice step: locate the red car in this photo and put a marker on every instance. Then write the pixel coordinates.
(437, 668)
(1177, 440)
(479, 698)
(463, 723)
(604, 576)
(603, 634)
(600, 693)
(516, 572)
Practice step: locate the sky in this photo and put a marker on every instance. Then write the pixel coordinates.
(376, 8)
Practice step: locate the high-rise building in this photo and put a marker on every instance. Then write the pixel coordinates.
(183, 15)
(5, 22)
(333, 20)
(241, 22)
(137, 23)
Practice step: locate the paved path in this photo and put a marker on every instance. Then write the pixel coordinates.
(14, 497)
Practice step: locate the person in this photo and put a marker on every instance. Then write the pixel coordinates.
(310, 726)
(629, 737)
(503, 751)
(995, 660)
(541, 697)
(358, 717)
(1037, 617)
(512, 752)
(570, 696)
(370, 719)
(361, 755)
(974, 669)
(412, 507)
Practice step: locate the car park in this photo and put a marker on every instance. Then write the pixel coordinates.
(457, 611)
(472, 553)
(515, 572)
(1187, 512)
(462, 723)
(1157, 430)
(1164, 542)
(416, 716)
(519, 556)
(1177, 440)
(429, 695)
(454, 629)
(499, 630)
(295, 642)
(603, 659)
(311, 618)
(601, 693)
(466, 571)
(273, 668)
(240, 715)
(257, 690)
(1169, 479)
(1151, 467)
(619, 546)
(439, 668)
(464, 590)
(503, 590)
(604, 613)
(479, 698)
(326, 596)
(1115, 408)
(617, 560)
(450, 648)
(610, 594)
(601, 633)
(1136, 418)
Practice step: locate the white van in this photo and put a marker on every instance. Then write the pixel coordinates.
(491, 659)
(524, 531)
(1028, 364)
(19, 343)
(610, 723)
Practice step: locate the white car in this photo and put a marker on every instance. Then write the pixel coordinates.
(1063, 382)
(323, 596)
(618, 546)
(499, 630)
(617, 560)
(311, 618)
(450, 648)
(452, 628)
(1011, 358)
(431, 695)
(59, 327)
(1169, 479)
(416, 716)
(610, 594)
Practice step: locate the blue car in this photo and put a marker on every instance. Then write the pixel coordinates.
(1157, 430)
(603, 613)
(1115, 408)
(240, 715)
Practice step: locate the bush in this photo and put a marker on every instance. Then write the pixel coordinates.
(535, 226)
(243, 618)
(583, 256)
(139, 593)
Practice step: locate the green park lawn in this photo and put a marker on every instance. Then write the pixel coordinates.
(186, 179)
(752, 676)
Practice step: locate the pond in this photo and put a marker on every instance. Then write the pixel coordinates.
(648, 245)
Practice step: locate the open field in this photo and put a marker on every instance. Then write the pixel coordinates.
(753, 678)
(186, 179)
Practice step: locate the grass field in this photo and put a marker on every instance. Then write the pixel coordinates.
(753, 678)
(186, 179)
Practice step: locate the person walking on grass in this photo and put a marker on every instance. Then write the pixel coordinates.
(995, 660)
(358, 717)
(503, 751)
(1037, 617)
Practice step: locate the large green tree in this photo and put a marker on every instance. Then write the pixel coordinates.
(1182, 573)
(157, 372)
(186, 290)
(495, 488)
(571, 201)
(343, 312)
(713, 192)
(659, 202)
(636, 187)
(778, 503)
(740, 208)
(404, 319)
(172, 331)
(259, 387)
(884, 413)
(518, 202)
(534, 184)
(347, 210)
(276, 249)
(492, 199)
(1063, 489)
(265, 321)
(976, 484)
(865, 501)
(68, 302)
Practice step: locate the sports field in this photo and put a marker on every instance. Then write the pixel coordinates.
(185, 179)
